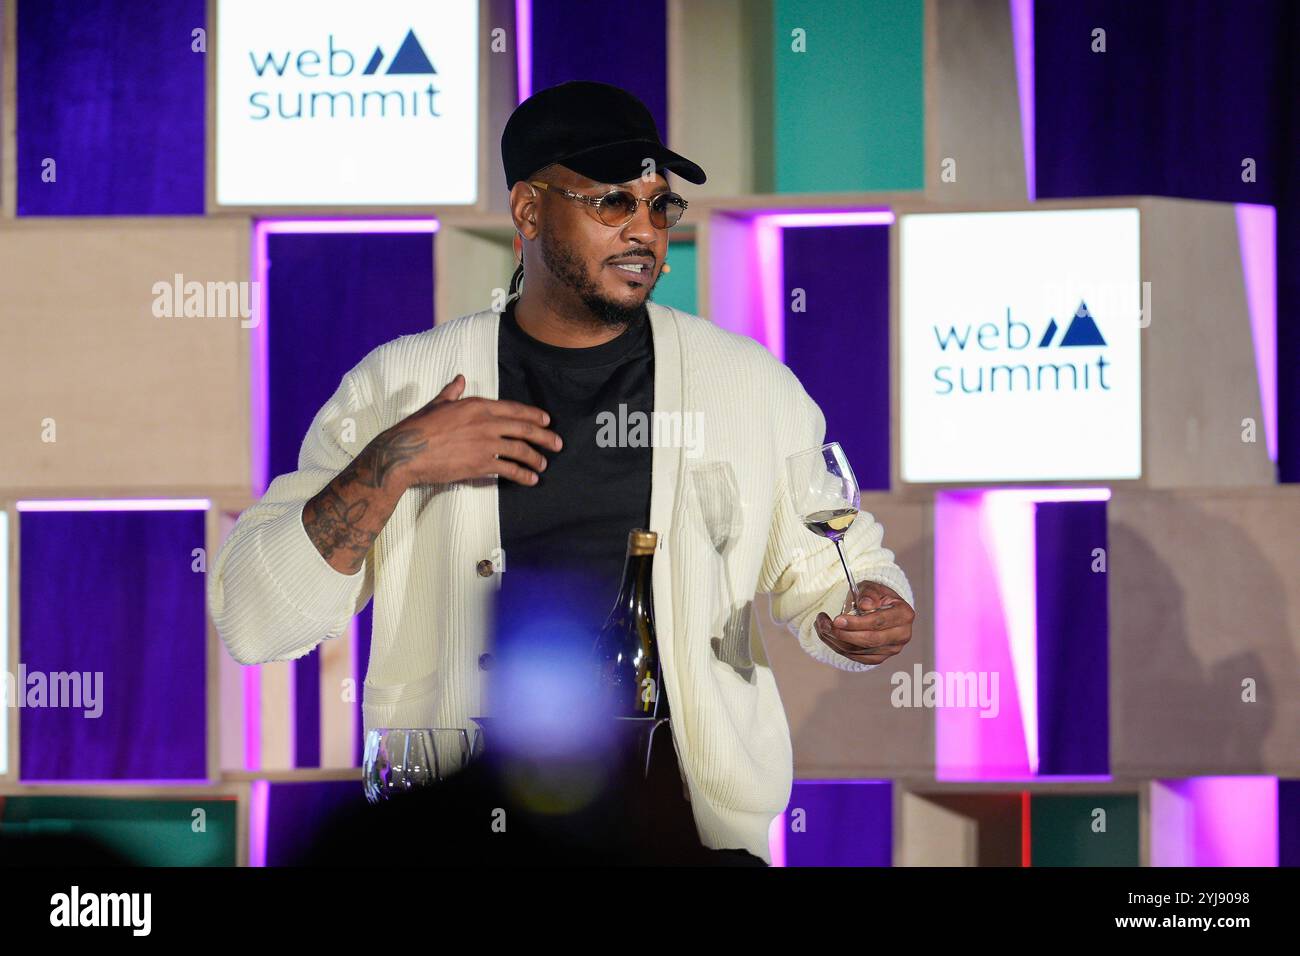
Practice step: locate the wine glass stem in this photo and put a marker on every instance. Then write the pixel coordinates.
(853, 588)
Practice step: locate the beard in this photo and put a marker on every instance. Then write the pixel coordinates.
(570, 271)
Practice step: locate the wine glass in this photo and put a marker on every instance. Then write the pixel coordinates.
(398, 760)
(826, 498)
(719, 500)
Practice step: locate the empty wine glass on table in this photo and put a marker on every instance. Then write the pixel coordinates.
(826, 498)
(398, 760)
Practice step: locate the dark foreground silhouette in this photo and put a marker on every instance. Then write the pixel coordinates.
(495, 813)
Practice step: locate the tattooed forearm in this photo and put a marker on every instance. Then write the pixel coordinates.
(377, 461)
(334, 526)
(347, 515)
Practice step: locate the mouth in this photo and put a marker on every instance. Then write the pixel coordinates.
(635, 273)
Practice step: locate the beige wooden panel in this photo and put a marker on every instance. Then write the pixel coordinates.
(276, 715)
(716, 76)
(469, 265)
(500, 75)
(1199, 360)
(242, 827)
(972, 109)
(959, 829)
(931, 834)
(842, 724)
(140, 404)
(1204, 595)
(231, 714)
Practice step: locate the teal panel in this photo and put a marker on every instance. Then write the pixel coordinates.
(850, 109)
(147, 832)
(678, 289)
(1063, 830)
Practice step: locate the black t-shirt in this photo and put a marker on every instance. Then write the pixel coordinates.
(575, 521)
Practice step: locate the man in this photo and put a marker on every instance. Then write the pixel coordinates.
(477, 447)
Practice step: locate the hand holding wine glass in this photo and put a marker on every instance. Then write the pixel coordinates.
(826, 497)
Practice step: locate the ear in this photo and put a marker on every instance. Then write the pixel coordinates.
(525, 200)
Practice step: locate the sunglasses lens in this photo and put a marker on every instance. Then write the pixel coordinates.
(666, 210)
(617, 207)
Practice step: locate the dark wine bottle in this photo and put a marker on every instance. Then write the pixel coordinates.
(626, 651)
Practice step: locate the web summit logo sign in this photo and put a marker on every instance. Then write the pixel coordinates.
(292, 78)
(1035, 372)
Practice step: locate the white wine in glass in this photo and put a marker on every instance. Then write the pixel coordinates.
(826, 498)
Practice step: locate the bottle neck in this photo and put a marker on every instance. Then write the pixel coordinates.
(636, 581)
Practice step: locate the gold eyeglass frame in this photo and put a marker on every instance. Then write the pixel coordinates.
(595, 201)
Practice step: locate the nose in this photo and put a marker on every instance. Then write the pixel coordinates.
(640, 229)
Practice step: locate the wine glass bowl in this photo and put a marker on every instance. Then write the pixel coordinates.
(826, 496)
(398, 760)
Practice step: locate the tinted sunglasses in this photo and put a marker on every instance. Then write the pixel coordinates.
(618, 206)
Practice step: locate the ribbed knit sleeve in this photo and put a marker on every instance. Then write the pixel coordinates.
(802, 570)
(271, 594)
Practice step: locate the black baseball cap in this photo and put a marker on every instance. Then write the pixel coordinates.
(598, 130)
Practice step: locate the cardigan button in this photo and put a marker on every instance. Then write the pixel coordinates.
(484, 661)
(485, 568)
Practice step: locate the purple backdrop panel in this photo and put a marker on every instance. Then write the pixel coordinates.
(1073, 716)
(589, 40)
(1186, 92)
(846, 823)
(1288, 279)
(1288, 823)
(296, 813)
(1182, 94)
(112, 593)
(839, 347)
(112, 92)
(331, 299)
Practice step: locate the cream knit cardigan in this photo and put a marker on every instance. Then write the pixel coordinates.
(727, 531)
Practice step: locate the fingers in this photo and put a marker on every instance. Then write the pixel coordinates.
(870, 622)
(861, 655)
(876, 656)
(877, 592)
(523, 453)
(506, 408)
(870, 645)
(506, 468)
(874, 640)
(450, 393)
(520, 428)
(499, 408)
(516, 420)
(452, 390)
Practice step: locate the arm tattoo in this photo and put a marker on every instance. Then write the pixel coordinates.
(380, 457)
(333, 522)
